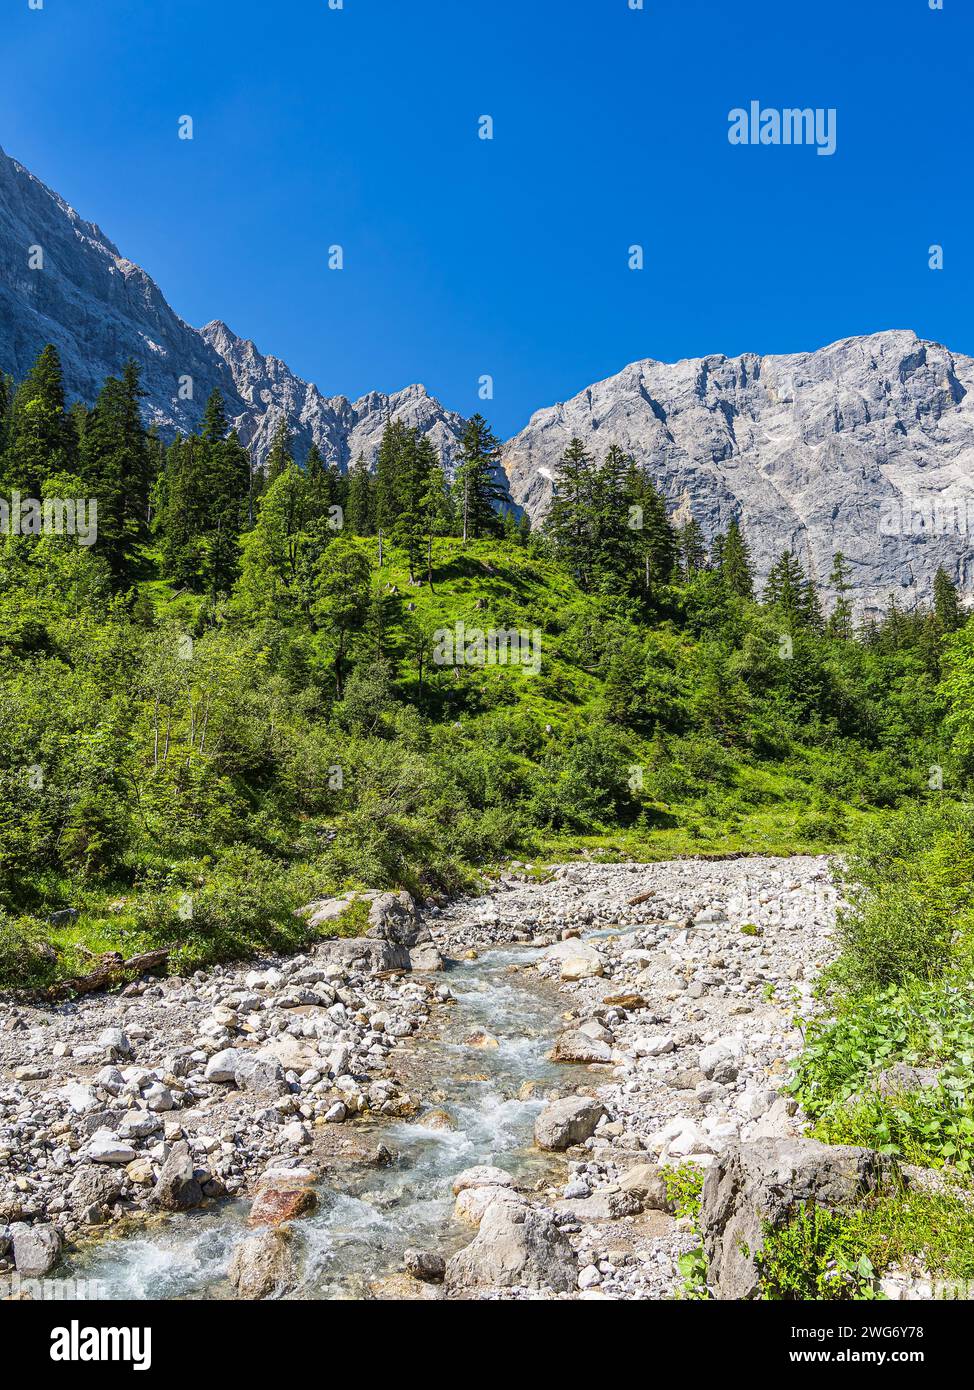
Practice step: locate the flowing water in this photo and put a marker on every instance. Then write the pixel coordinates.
(364, 1224)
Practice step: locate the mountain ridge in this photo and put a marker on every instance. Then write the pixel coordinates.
(99, 308)
(864, 446)
(857, 446)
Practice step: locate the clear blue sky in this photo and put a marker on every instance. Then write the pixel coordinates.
(465, 257)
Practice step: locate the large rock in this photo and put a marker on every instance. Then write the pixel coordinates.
(766, 1181)
(367, 953)
(472, 1202)
(37, 1250)
(426, 957)
(428, 1266)
(263, 1074)
(566, 1122)
(274, 1205)
(719, 1061)
(576, 1046)
(646, 1181)
(177, 1188)
(95, 1185)
(515, 1246)
(263, 1263)
(483, 1175)
(393, 917)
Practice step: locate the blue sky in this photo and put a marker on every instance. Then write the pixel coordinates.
(508, 257)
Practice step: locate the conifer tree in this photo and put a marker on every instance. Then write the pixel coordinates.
(570, 520)
(435, 511)
(655, 540)
(41, 439)
(476, 486)
(734, 562)
(839, 624)
(115, 466)
(279, 455)
(789, 591)
(417, 459)
(946, 606)
(360, 507)
(691, 550)
(390, 462)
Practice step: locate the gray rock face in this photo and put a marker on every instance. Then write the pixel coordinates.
(865, 446)
(515, 1246)
(766, 1181)
(342, 429)
(94, 305)
(99, 309)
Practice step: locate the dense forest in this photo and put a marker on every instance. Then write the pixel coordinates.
(236, 698)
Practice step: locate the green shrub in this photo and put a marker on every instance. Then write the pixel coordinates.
(27, 961)
(813, 1257)
(911, 889)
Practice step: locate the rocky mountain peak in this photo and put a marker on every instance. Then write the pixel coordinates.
(864, 446)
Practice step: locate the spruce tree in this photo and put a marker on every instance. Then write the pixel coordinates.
(691, 550)
(946, 606)
(840, 619)
(409, 529)
(787, 589)
(115, 466)
(734, 562)
(476, 486)
(649, 525)
(279, 456)
(360, 507)
(390, 462)
(570, 521)
(41, 437)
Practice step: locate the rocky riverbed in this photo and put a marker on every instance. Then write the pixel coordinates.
(473, 1101)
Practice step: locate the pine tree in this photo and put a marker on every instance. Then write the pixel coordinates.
(570, 521)
(655, 542)
(734, 562)
(317, 487)
(115, 466)
(477, 487)
(691, 550)
(390, 462)
(227, 471)
(41, 437)
(343, 594)
(946, 606)
(360, 508)
(788, 590)
(840, 619)
(279, 456)
(179, 510)
(409, 529)
(435, 511)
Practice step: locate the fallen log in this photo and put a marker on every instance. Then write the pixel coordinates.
(642, 898)
(112, 969)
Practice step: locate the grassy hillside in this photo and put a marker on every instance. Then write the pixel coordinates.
(228, 705)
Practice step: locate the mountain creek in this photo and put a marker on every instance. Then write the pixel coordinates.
(489, 1123)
